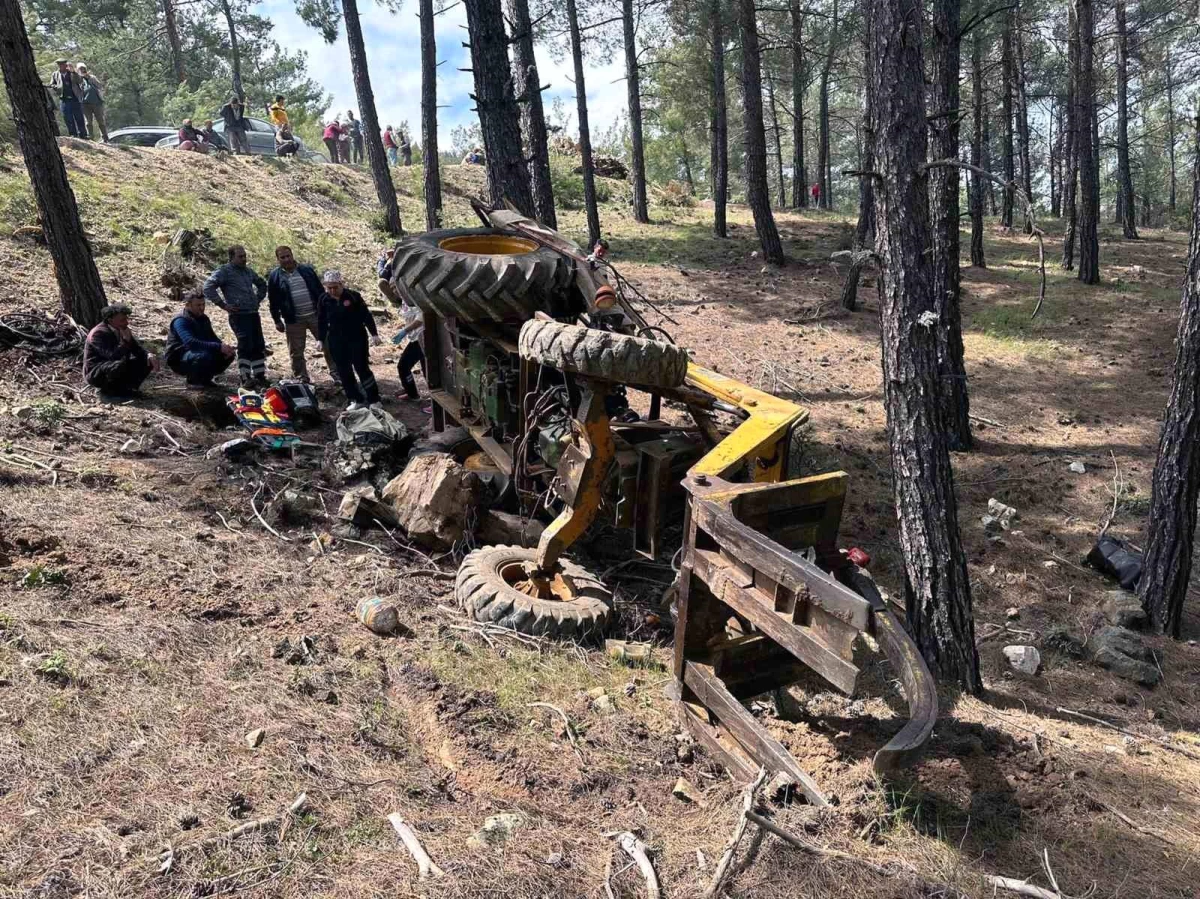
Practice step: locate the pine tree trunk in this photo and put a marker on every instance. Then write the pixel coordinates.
(385, 191)
(944, 205)
(171, 26)
(823, 161)
(1171, 528)
(758, 195)
(1171, 137)
(781, 185)
(975, 197)
(499, 115)
(685, 160)
(1124, 174)
(429, 142)
(938, 590)
(1071, 184)
(799, 179)
(1056, 148)
(79, 285)
(864, 230)
(235, 53)
(720, 122)
(1006, 106)
(1088, 150)
(1023, 116)
(637, 173)
(585, 134)
(533, 114)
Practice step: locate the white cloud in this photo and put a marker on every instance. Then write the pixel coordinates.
(394, 56)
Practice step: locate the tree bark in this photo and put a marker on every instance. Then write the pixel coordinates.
(864, 230)
(499, 115)
(1128, 204)
(235, 52)
(823, 161)
(533, 113)
(980, 116)
(385, 191)
(79, 285)
(1006, 105)
(1071, 184)
(1171, 137)
(781, 185)
(1056, 148)
(1088, 150)
(799, 179)
(1023, 116)
(637, 173)
(175, 46)
(758, 195)
(987, 162)
(585, 134)
(429, 141)
(1171, 528)
(944, 205)
(720, 121)
(938, 590)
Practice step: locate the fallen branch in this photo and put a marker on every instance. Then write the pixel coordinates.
(435, 573)
(636, 850)
(1100, 803)
(263, 521)
(1166, 744)
(749, 796)
(1034, 231)
(425, 865)
(566, 722)
(1020, 887)
(792, 840)
(170, 853)
(986, 421)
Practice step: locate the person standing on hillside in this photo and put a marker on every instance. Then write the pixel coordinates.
(354, 127)
(816, 193)
(69, 93)
(405, 147)
(113, 360)
(292, 293)
(193, 348)
(331, 135)
(92, 99)
(343, 323)
(389, 144)
(239, 290)
(277, 112)
(234, 115)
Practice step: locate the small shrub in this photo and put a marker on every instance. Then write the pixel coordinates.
(41, 576)
(55, 668)
(675, 194)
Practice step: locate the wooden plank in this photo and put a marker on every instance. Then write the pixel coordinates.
(758, 608)
(718, 743)
(781, 565)
(743, 727)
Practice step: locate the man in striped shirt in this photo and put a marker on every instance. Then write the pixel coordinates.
(292, 292)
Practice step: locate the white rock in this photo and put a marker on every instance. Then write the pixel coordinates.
(1077, 468)
(255, 737)
(1012, 613)
(1025, 659)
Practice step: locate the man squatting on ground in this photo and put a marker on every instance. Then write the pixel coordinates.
(113, 360)
(292, 292)
(239, 290)
(193, 348)
(343, 322)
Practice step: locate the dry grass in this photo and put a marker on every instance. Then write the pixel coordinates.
(136, 660)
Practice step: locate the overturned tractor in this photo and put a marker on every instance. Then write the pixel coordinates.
(562, 385)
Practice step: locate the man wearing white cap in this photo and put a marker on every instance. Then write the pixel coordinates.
(343, 325)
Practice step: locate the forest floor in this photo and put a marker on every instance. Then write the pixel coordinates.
(143, 606)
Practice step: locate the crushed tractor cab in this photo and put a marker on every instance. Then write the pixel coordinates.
(562, 383)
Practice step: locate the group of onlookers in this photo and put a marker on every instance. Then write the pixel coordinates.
(80, 96)
(300, 303)
(340, 139)
(397, 145)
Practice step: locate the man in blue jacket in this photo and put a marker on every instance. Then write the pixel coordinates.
(193, 348)
(240, 290)
(292, 293)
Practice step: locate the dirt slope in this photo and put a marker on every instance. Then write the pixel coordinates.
(143, 608)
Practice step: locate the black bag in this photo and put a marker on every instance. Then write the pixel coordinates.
(301, 400)
(1111, 557)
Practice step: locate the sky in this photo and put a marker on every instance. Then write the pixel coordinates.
(394, 56)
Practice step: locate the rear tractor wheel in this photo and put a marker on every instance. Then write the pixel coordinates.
(501, 585)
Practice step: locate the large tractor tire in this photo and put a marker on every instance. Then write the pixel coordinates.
(480, 274)
(603, 354)
(494, 585)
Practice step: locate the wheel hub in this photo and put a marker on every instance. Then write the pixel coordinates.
(525, 577)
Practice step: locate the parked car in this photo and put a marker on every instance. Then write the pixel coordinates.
(260, 136)
(140, 135)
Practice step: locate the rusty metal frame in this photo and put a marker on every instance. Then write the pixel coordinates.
(800, 614)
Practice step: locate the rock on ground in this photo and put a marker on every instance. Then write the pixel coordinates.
(497, 527)
(1122, 652)
(1025, 659)
(1123, 609)
(434, 499)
